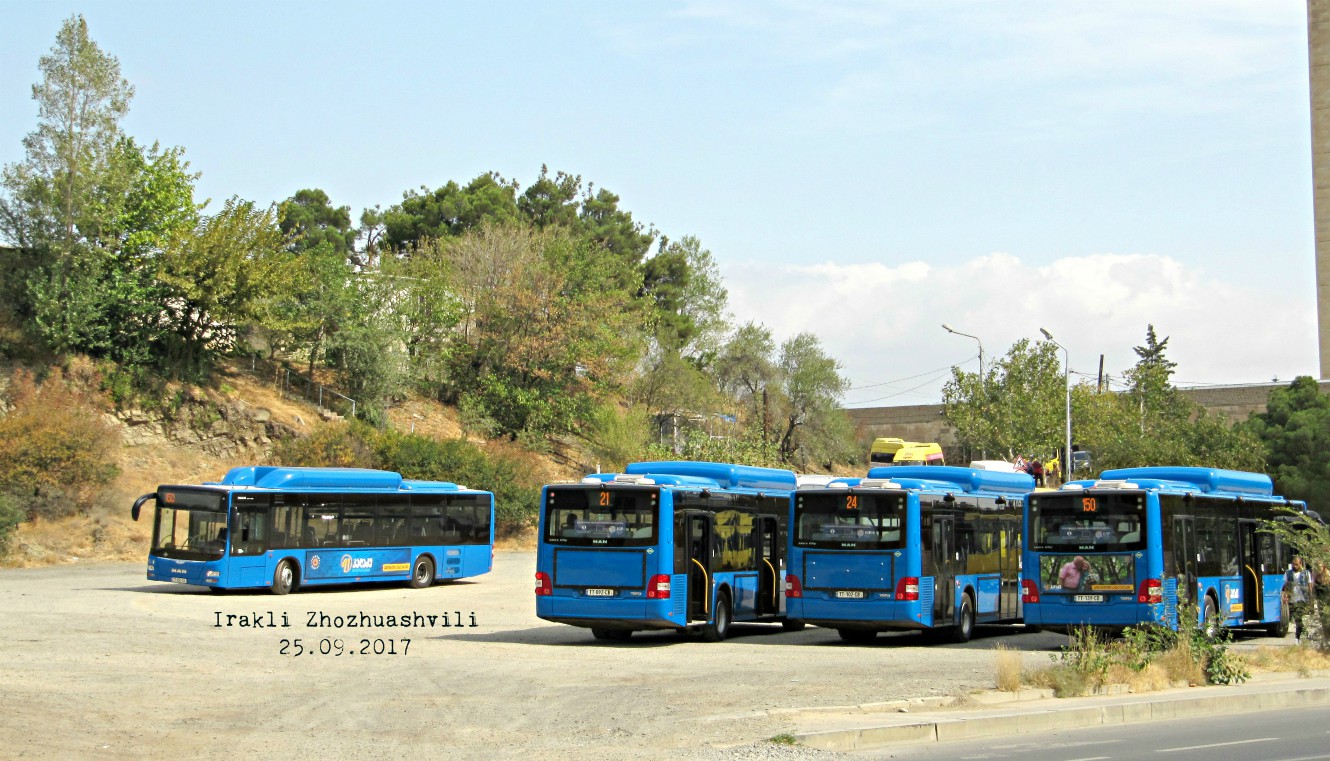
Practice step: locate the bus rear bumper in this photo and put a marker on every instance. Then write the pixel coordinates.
(632, 614)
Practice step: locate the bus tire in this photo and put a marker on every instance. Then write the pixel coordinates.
(720, 625)
(964, 628)
(791, 625)
(1279, 628)
(284, 578)
(1210, 617)
(422, 573)
(612, 635)
(857, 636)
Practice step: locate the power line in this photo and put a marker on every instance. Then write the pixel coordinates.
(912, 377)
(928, 382)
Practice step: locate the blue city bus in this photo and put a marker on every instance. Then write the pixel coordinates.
(1130, 547)
(928, 548)
(284, 528)
(664, 546)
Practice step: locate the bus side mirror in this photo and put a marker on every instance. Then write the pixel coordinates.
(138, 505)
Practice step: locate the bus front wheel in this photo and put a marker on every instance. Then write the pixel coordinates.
(284, 578)
(720, 626)
(964, 628)
(422, 574)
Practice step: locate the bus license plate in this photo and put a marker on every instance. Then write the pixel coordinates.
(850, 594)
(600, 593)
(178, 580)
(1088, 598)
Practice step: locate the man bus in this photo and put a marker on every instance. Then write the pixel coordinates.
(664, 546)
(927, 548)
(1132, 546)
(284, 528)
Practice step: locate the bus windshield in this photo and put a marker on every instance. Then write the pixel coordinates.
(191, 525)
(1087, 522)
(847, 520)
(602, 517)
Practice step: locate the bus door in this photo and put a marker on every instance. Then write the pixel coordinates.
(248, 539)
(1249, 560)
(769, 566)
(1184, 558)
(944, 569)
(699, 554)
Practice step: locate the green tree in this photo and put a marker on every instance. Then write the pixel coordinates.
(218, 276)
(1017, 408)
(815, 428)
(613, 228)
(448, 211)
(1295, 434)
(551, 202)
(745, 368)
(309, 220)
(544, 336)
(62, 201)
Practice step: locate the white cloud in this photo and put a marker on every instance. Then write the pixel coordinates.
(883, 322)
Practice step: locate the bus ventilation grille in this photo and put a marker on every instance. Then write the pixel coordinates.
(926, 594)
(679, 593)
(1171, 600)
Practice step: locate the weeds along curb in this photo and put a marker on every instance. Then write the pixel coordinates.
(1017, 721)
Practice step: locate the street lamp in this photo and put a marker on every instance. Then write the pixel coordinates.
(950, 329)
(1066, 374)
(983, 452)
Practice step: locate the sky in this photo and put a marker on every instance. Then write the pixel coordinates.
(865, 171)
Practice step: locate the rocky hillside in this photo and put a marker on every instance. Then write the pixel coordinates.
(207, 432)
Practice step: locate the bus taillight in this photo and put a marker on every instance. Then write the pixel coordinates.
(792, 586)
(659, 587)
(543, 584)
(907, 588)
(1151, 591)
(1029, 591)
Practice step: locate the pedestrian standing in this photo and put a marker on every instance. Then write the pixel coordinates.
(1298, 590)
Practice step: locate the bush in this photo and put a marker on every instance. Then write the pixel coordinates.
(56, 447)
(516, 494)
(340, 445)
(10, 516)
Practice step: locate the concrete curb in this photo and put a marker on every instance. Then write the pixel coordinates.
(1016, 721)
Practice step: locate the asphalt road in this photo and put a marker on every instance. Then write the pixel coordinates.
(1300, 734)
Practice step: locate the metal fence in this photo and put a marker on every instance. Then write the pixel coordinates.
(293, 384)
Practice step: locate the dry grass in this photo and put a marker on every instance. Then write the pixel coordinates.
(99, 536)
(1303, 659)
(1009, 668)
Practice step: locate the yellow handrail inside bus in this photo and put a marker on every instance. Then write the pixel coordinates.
(706, 586)
(1252, 571)
(775, 591)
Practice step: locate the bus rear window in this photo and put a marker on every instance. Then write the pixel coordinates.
(595, 517)
(1087, 522)
(848, 520)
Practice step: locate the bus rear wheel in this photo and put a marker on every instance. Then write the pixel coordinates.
(612, 635)
(1210, 617)
(422, 574)
(284, 578)
(720, 626)
(964, 628)
(791, 625)
(1279, 628)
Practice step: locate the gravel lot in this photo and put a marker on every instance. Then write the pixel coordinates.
(97, 662)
